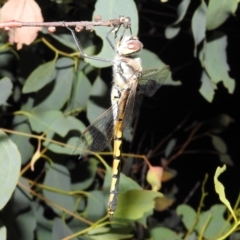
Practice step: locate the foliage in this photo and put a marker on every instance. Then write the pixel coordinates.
(48, 95)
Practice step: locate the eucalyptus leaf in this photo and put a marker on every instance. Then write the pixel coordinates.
(26, 224)
(172, 30)
(64, 62)
(44, 226)
(59, 94)
(208, 87)
(10, 164)
(217, 226)
(220, 190)
(219, 11)
(60, 230)
(99, 99)
(3, 231)
(219, 144)
(58, 178)
(48, 121)
(199, 25)
(69, 124)
(164, 234)
(151, 60)
(188, 215)
(40, 77)
(235, 236)
(125, 183)
(65, 39)
(134, 204)
(215, 61)
(111, 236)
(80, 91)
(96, 206)
(25, 148)
(5, 90)
(22, 198)
(112, 9)
(226, 159)
(170, 146)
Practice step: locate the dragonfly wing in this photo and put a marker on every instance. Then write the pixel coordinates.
(130, 106)
(152, 79)
(97, 135)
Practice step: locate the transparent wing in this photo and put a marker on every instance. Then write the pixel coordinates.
(130, 106)
(97, 135)
(152, 79)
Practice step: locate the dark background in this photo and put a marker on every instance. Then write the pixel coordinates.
(161, 114)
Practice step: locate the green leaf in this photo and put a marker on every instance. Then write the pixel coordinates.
(219, 11)
(125, 184)
(235, 236)
(220, 190)
(170, 146)
(111, 9)
(219, 144)
(111, 236)
(44, 225)
(58, 178)
(113, 233)
(208, 87)
(226, 159)
(64, 62)
(10, 164)
(163, 234)
(172, 30)
(26, 225)
(212, 223)
(134, 204)
(3, 231)
(5, 90)
(40, 77)
(151, 60)
(72, 125)
(188, 215)
(215, 61)
(48, 121)
(22, 199)
(199, 25)
(59, 94)
(80, 92)
(99, 99)
(63, 38)
(96, 206)
(60, 230)
(25, 148)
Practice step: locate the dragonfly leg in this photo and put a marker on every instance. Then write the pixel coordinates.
(126, 22)
(80, 48)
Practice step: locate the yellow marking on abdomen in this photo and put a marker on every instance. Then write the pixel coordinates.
(118, 133)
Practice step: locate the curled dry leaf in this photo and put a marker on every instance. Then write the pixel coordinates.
(162, 203)
(25, 11)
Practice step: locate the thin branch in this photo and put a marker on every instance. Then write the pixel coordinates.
(125, 21)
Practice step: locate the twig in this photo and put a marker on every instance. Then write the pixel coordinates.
(125, 21)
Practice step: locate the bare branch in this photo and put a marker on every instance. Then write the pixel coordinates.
(125, 21)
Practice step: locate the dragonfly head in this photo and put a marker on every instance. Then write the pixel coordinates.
(129, 45)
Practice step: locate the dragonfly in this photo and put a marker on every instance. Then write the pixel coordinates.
(129, 81)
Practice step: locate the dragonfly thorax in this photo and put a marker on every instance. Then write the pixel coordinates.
(128, 46)
(126, 71)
